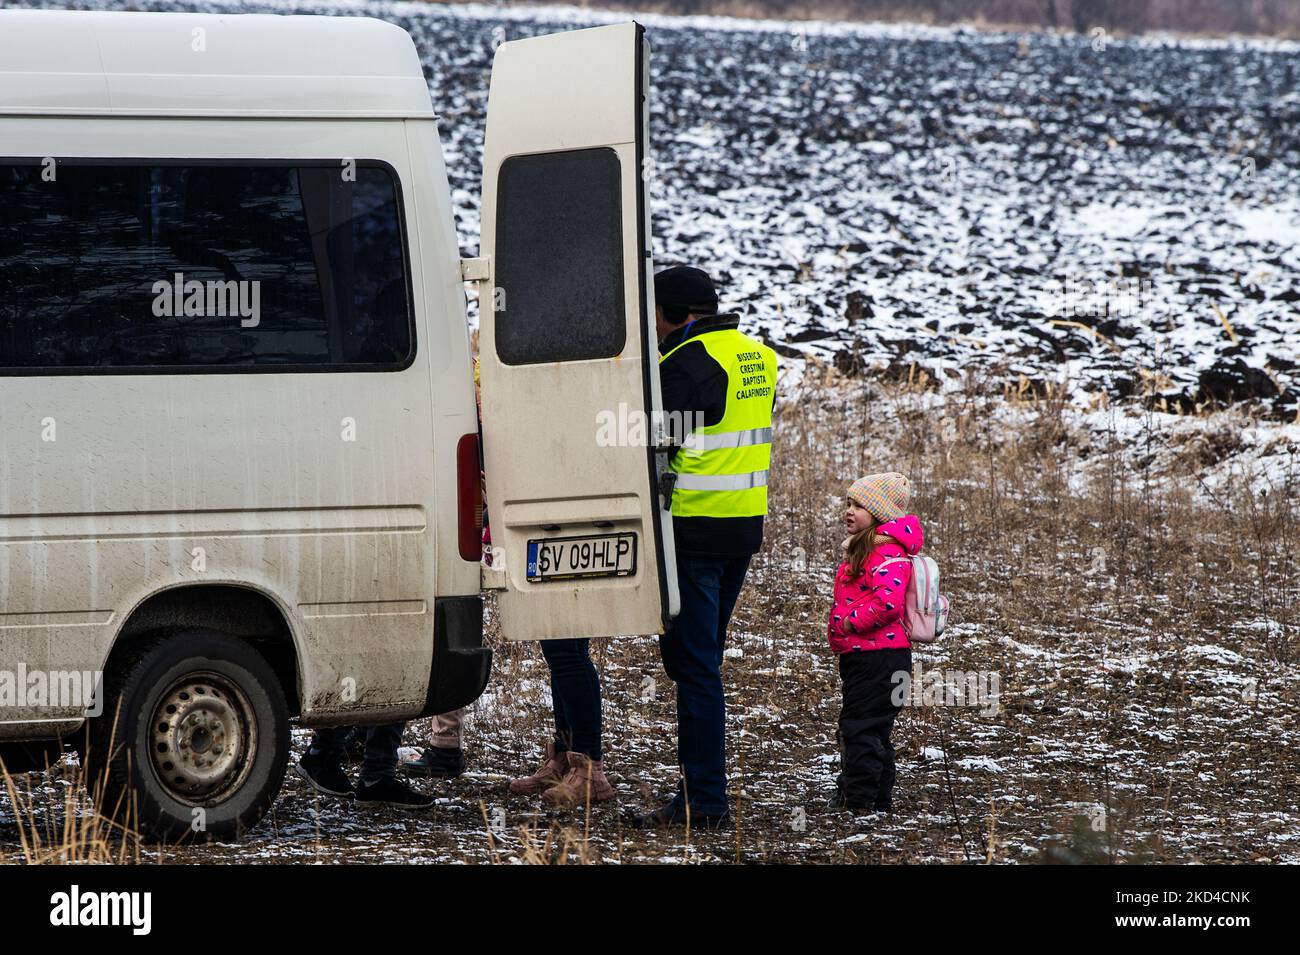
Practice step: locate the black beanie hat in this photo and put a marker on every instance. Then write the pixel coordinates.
(683, 286)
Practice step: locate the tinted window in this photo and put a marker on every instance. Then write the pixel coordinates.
(169, 266)
(559, 257)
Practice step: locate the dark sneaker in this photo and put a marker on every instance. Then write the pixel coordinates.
(391, 791)
(436, 763)
(324, 776)
(673, 814)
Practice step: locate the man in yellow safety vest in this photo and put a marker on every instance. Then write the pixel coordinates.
(718, 389)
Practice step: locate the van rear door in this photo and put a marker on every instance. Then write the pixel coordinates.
(568, 355)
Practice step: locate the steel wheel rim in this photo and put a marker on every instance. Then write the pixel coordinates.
(203, 738)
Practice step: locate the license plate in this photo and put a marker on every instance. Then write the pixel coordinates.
(567, 558)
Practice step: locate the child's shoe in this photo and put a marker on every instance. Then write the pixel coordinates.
(837, 803)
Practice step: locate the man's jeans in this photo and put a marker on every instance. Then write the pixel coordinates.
(692, 655)
(381, 749)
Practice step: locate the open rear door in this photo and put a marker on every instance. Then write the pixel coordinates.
(568, 354)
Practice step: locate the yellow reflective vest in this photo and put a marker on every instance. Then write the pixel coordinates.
(722, 468)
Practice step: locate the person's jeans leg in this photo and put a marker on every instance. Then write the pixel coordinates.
(328, 743)
(575, 693)
(381, 752)
(692, 659)
(563, 726)
(356, 737)
(730, 584)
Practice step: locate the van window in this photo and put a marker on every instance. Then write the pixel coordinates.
(239, 266)
(559, 257)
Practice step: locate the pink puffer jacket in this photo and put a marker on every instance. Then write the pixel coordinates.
(868, 611)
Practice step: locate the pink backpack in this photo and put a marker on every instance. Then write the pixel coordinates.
(925, 614)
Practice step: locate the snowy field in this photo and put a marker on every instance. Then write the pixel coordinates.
(1123, 216)
(993, 244)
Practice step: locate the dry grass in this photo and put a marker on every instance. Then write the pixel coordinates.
(1090, 552)
(59, 831)
(1042, 497)
(1142, 622)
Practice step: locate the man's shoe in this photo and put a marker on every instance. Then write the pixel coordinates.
(436, 762)
(390, 791)
(671, 814)
(547, 775)
(324, 776)
(585, 781)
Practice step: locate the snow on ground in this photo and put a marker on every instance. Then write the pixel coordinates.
(886, 198)
(1124, 213)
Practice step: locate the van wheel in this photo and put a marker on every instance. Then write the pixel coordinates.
(193, 739)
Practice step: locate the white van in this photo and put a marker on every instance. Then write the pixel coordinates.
(239, 449)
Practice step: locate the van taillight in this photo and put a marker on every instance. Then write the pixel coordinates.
(469, 499)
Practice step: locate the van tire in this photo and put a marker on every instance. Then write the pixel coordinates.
(228, 725)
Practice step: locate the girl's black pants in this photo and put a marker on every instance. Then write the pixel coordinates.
(873, 696)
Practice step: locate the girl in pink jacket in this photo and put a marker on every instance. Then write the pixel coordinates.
(866, 630)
